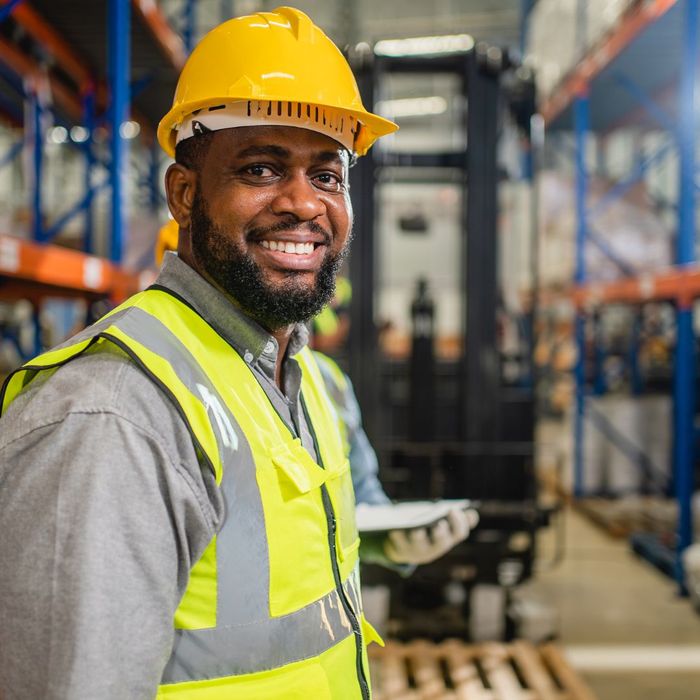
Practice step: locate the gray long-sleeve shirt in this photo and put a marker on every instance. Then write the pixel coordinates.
(104, 509)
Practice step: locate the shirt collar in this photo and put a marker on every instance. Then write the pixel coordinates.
(247, 336)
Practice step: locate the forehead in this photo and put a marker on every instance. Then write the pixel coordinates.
(286, 142)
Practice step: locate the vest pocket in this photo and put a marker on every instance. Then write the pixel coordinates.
(343, 498)
(298, 471)
(297, 532)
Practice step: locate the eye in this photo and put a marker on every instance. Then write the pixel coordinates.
(329, 181)
(258, 170)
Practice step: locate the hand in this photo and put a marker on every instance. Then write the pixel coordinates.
(424, 545)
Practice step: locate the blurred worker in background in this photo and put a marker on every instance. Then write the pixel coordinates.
(176, 505)
(401, 549)
(330, 327)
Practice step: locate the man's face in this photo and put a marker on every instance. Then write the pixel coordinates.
(271, 220)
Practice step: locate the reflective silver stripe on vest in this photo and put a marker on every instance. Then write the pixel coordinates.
(352, 589)
(95, 328)
(242, 536)
(246, 639)
(229, 651)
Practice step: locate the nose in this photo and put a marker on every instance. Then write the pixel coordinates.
(298, 197)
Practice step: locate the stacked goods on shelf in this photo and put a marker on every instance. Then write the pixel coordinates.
(561, 31)
(552, 42)
(630, 227)
(643, 426)
(600, 17)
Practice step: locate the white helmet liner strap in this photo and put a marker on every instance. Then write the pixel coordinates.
(336, 123)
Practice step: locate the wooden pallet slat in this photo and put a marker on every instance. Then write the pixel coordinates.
(427, 672)
(533, 672)
(569, 679)
(501, 675)
(464, 674)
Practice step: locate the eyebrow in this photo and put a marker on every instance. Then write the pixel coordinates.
(328, 157)
(283, 153)
(269, 150)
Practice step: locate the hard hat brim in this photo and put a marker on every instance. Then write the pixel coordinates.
(372, 125)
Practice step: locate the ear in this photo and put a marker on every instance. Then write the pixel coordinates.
(180, 188)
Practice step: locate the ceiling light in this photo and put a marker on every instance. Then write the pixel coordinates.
(412, 107)
(425, 45)
(129, 130)
(58, 134)
(79, 134)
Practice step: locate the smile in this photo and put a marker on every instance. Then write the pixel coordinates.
(289, 247)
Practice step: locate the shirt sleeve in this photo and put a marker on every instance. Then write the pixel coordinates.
(363, 459)
(101, 522)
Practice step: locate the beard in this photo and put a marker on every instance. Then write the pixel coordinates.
(274, 306)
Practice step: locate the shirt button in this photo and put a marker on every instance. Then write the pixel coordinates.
(248, 357)
(269, 348)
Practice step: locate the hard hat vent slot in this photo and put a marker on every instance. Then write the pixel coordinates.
(242, 113)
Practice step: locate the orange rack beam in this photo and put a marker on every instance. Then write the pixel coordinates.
(33, 270)
(632, 23)
(64, 54)
(25, 66)
(57, 46)
(677, 284)
(170, 42)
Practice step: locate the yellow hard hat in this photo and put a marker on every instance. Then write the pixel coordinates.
(167, 239)
(277, 66)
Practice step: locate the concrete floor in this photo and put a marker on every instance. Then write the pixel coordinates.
(620, 622)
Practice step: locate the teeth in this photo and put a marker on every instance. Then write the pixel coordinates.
(289, 247)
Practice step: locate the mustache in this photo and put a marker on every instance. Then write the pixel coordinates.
(259, 232)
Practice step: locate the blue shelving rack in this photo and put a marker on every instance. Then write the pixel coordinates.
(103, 64)
(644, 72)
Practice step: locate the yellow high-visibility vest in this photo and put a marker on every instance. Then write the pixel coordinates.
(273, 606)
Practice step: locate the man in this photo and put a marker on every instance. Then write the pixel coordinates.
(176, 509)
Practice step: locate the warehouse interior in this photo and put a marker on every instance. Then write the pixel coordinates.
(522, 324)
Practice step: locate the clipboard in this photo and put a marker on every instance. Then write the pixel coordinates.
(409, 515)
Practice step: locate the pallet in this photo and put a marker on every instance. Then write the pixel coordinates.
(623, 516)
(453, 670)
(605, 514)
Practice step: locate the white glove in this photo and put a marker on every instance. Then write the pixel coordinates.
(424, 545)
